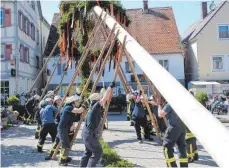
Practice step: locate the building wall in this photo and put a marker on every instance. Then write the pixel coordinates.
(14, 36)
(209, 45)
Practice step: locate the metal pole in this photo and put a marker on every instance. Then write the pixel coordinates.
(207, 129)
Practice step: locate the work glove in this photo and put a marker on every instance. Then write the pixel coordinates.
(85, 104)
(112, 84)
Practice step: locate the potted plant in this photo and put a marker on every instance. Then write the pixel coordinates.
(4, 118)
(13, 101)
(202, 98)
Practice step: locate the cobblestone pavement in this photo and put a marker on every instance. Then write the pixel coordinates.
(18, 147)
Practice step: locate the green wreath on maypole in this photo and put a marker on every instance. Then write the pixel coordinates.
(76, 24)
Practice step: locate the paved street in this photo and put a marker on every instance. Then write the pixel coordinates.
(19, 147)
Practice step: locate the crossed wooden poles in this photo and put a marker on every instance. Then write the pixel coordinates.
(118, 72)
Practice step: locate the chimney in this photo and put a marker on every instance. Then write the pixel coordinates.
(204, 9)
(145, 6)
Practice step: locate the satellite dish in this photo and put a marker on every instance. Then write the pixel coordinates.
(212, 6)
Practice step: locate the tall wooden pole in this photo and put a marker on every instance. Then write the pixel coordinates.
(153, 119)
(50, 78)
(114, 79)
(81, 61)
(44, 66)
(88, 81)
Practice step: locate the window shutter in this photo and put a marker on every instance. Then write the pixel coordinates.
(19, 19)
(24, 54)
(58, 69)
(7, 17)
(8, 51)
(28, 61)
(21, 53)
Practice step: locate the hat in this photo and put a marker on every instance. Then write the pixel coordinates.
(78, 91)
(151, 97)
(72, 99)
(94, 96)
(50, 93)
(48, 99)
(37, 97)
(57, 98)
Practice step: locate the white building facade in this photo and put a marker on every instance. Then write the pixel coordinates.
(24, 34)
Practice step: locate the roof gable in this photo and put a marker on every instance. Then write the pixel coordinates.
(197, 27)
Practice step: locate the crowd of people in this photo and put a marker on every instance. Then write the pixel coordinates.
(59, 119)
(170, 126)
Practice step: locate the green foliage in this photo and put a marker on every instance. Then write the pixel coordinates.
(12, 100)
(111, 158)
(202, 97)
(121, 163)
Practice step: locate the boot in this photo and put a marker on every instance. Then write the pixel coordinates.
(63, 162)
(128, 118)
(49, 156)
(69, 159)
(196, 156)
(104, 127)
(37, 135)
(39, 149)
(131, 123)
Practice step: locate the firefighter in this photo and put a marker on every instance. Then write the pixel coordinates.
(30, 106)
(75, 118)
(67, 114)
(139, 117)
(41, 105)
(160, 121)
(91, 132)
(191, 144)
(175, 134)
(130, 107)
(47, 115)
(50, 94)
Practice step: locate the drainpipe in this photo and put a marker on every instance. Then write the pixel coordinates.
(16, 47)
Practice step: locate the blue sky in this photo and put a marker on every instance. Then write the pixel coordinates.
(186, 12)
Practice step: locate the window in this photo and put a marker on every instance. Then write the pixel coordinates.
(4, 91)
(127, 67)
(33, 4)
(223, 31)
(26, 55)
(28, 27)
(58, 69)
(23, 24)
(32, 35)
(217, 62)
(2, 51)
(2, 17)
(38, 63)
(37, 39)
(164, 63)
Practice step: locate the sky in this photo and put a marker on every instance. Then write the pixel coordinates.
(186, 12)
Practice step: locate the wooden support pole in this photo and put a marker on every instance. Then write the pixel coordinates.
(50, 78)
(122, 80)
(90, 77)
(98, 60)
(153, 119)
(81, 61)
(44, 66)
(62, 78)
(114, 79)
